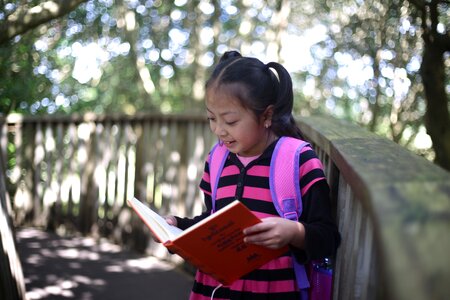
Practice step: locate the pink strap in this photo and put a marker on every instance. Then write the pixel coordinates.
(285, 188)
(217, 160)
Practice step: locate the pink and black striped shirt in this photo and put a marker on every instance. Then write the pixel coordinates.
(250, 184)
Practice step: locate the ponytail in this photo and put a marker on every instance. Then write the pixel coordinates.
(283, 122)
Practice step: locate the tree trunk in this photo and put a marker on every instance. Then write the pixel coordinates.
(437, 115)
(437, 119)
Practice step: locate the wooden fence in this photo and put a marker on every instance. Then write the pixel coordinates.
(392, 207)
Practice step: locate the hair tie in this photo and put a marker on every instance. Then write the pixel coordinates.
(230, 55)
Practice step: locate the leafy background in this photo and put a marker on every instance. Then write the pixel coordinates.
(365, 61)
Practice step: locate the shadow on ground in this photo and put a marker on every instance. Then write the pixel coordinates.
(83, 269)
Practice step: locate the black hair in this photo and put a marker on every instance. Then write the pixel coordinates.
(256, 86)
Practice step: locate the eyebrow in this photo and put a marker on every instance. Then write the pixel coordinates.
(224, 113)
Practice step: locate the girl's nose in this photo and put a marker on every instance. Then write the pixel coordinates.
(219, 130)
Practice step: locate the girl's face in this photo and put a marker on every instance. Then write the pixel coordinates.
(237, 127)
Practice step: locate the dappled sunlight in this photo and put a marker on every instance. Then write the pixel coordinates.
(61, 288)
(147, 263)
(85, 268)
(76, 254)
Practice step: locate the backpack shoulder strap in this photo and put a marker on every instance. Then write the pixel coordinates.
(284, 182)
(284, 177)
(217, 158)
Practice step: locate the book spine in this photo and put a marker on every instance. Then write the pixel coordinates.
(195, 262)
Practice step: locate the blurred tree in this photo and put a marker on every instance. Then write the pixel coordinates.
(130, 56)
(368, 66)
(360, 60)
(369, 59)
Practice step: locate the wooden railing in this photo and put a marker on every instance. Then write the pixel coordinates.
(12, 284)
(393, 212)
(392, 207)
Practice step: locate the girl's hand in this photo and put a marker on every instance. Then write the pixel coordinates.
(275, 233)
(171, 220)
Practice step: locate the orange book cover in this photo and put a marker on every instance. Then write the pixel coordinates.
(214, 245)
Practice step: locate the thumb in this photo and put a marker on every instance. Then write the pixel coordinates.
(171, 220)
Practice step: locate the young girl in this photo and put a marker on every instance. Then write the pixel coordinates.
(249, 107)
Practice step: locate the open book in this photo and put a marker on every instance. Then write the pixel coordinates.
(214, 245)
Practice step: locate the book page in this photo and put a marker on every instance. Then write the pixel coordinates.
(155, 222)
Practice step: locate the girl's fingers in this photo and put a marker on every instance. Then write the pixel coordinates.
(171, 220)
(265, 225)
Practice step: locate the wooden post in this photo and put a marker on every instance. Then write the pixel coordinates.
(12, 286)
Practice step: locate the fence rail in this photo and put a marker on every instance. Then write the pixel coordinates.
(392, 207)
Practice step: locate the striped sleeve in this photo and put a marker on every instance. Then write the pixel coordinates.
(311, 169)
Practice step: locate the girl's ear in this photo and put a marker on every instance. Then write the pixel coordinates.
(267, 116)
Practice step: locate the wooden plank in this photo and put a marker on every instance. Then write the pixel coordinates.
(72, 150)
(109, 152)
(38, 157)
(23, 197)
(140, 174)
(89, 187)
(58, 178)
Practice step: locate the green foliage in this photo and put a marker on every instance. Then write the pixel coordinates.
(21, 77)
(128, 56)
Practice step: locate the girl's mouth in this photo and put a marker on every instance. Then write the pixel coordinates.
(227, 143)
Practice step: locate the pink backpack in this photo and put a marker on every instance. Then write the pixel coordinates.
(287, 199)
